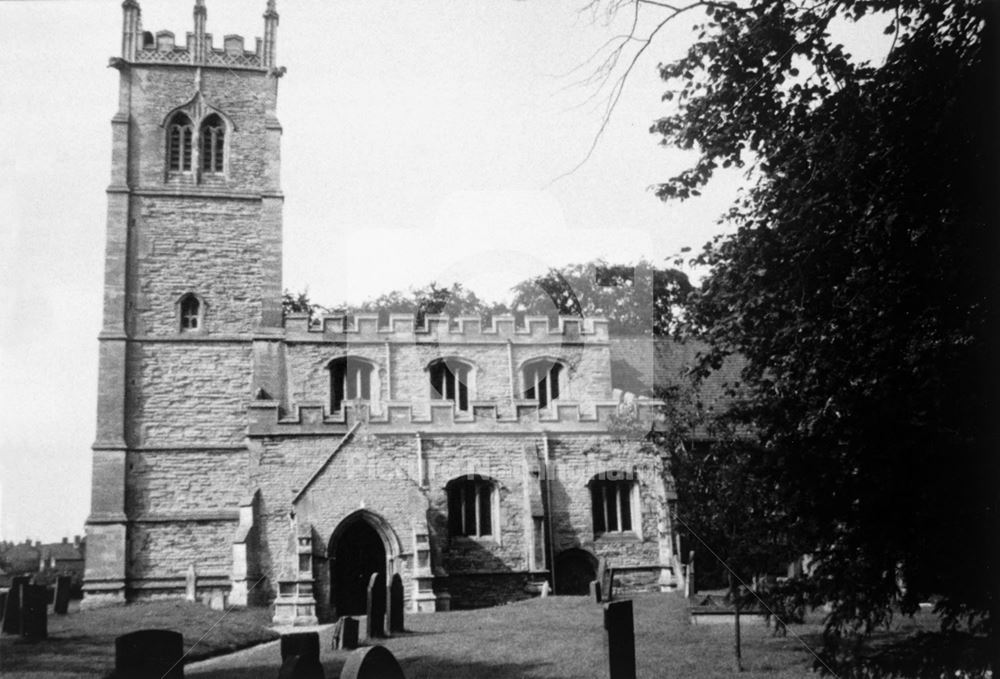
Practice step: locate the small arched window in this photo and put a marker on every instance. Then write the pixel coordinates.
(542, 381)
(213, 145)
(613, 502)
(450, 380)
(180, 142)
(471, 506)
(190, 313)
(350, 380)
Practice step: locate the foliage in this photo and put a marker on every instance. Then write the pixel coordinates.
(859, 287)
(300, 303)
(637, 300)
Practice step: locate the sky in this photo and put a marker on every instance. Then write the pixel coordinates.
(423, 141)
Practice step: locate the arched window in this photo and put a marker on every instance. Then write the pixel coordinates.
(180, 141)
(190, 309)
(450, 380)
(542, 381)
(613, 501)
(213, 145)
(472, 506)
(350, 380)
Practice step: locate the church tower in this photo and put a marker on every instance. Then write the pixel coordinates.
(192, 294)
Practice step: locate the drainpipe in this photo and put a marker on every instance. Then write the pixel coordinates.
(551, 543)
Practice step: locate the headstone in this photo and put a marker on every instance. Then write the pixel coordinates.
(61, 604)
(191, 585)
(217, 602)
(12, 611)
(602, 573)
(302, 644)
(3, 604)
(595, 591)
(396, 604)
(373, 662)
(299, 667)
(150, 653)
(620, 635)
(546, 590)
(34, 611)
(376, 606)
(348, 638)
(338, 630)
(609, 586)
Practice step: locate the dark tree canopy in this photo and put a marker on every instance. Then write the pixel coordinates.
(859, 285)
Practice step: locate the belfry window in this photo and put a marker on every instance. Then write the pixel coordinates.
(612, 503)
(213, 145)
(190, 313)
(350, 380)
(542, 381)
(180, 143)
(471, 506)
(450, 381)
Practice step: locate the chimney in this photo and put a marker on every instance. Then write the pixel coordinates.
(76, 540)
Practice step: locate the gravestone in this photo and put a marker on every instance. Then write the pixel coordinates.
(347, 635)
(602, 574)
(300, 667)
(217, 602)
(12, 611)
(34, 611)
(302, 644)
(374, 662)
(609, 586)
(149, 653)
(3, 604)
(61, 604)
(595, 591)
(620, 639)
(190, 584)
(546, 590)
(376, 606)
(396, 604)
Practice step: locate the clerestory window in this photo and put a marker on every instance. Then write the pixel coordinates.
(350, 380)
(450, 380)
(542, 381)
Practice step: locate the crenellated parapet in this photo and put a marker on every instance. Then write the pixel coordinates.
(363, 328)
(312, 418)
(163, 47)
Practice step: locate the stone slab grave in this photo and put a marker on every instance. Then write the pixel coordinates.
(374, 662)
(396, 604)
(149, 653)
(375, 624)
(34, 611)
(620, 639)
(713, 609)
(61, 604)
(345, 634)
(12, 611)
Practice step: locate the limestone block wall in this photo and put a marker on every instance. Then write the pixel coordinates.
(207, 246)
(159, 554)
(189, 393)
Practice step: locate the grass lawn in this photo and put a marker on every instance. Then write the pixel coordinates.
(82, 644)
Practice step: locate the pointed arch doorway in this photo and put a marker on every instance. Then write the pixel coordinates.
(360, 545)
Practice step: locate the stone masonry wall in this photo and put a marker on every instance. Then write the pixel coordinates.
(189, 394)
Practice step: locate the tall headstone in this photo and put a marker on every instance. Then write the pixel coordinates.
(609, 587)
(546, 590)
(191, 585)
(396, 604)
(595, 591)
(374, 662)
(602, 573)
(303, 644)
(376, 606)
(620, 636)
(347, 637)
(150, 653)
(12, 611)
(34, 611)
(61, 604)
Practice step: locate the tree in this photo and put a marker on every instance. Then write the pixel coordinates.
(859, 285)
(638, 299)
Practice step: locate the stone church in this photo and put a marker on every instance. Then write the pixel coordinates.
(287, 460)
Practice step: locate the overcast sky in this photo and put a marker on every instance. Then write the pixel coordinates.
(421, 141)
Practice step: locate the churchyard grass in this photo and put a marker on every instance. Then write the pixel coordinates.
(82, 644)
